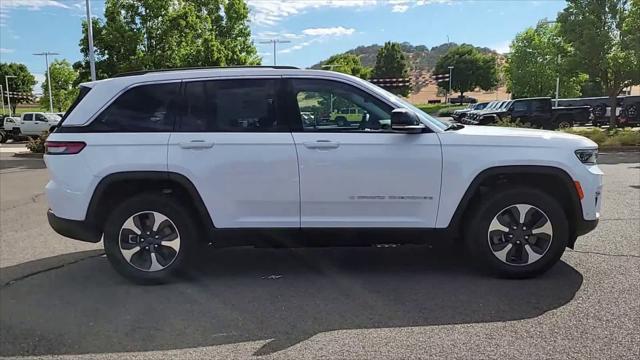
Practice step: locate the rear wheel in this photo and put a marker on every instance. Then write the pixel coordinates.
(518, 233)
(3, 137)
(148, 238)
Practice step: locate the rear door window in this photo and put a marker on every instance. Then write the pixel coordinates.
(237, 105)
(144, 108)
(27, 117)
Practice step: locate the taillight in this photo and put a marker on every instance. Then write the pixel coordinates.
(63, 147)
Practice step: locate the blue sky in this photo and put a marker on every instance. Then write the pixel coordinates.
(316, 28)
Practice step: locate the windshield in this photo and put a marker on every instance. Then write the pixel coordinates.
(52, 117)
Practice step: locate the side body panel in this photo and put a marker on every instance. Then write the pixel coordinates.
(73, 178)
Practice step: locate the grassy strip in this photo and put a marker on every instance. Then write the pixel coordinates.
(440, 109)
(609, 138)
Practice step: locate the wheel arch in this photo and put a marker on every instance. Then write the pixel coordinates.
(117, 186)
(551, 179)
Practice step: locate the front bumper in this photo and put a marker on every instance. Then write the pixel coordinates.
(74, 229)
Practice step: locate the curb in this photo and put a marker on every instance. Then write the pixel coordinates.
(28, 155)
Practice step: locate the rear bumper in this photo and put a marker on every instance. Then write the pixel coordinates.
(74, 229)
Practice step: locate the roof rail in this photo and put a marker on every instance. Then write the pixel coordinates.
(142, 72)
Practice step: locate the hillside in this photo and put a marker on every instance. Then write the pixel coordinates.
(421, 57)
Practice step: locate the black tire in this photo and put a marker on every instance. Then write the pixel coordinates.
(177, 213)
(341, 121)
(478, 237)
(3, 137)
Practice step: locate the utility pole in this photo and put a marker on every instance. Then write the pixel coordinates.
(446, 100)
(6, 82)
(275, 42)
(558, 82)
(46, 59)
(92, 60)
(2, 98)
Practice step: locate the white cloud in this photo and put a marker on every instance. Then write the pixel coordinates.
(332, 31)
(270, 12)
(31, 4)
(6, 51)
(399, 8)
(299, 46)
(37, 88)
(6, 5)
(502, 47)
(265, 35)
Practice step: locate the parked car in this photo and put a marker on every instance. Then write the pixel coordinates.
(31, 124)
(7, 126)
(627, 109)
(458, 115)
(463, 100)
(478, 117)
(345, 116)
(162, 163)
(536, 111)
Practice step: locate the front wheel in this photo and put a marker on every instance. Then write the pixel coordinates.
(518, 233)
(148, 238)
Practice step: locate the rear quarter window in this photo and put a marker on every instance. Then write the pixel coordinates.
(144, 108)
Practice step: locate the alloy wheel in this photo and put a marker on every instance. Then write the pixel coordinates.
(149, 241)
(520, 234)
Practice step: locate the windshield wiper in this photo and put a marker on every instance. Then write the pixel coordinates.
(454, 127)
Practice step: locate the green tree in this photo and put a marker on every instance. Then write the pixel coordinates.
(604, 35)
(155, 34)
(391, 62)
(63, 77)
(471, 69)
(22, 83)
(347, 64)
(538, 57)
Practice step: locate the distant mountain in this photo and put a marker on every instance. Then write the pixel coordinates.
(420, 57)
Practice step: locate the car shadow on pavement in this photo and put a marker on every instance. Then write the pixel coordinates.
(282, 295)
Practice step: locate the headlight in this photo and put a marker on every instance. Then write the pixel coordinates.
(587, 156)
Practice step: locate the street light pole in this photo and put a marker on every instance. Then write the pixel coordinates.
(2, 98)
(275, 42)
(450, 77)
(558, 82)
(6, 82)
(92, 60)
(46, 60)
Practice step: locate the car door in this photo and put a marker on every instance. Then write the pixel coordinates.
(365, 175)
(235, 146)
(27, 125)
(41, 124)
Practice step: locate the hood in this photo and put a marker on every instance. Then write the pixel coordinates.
(520, 137)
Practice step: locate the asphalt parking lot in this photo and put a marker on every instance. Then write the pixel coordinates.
(60, 297)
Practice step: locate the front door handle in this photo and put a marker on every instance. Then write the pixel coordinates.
(196, 144)
(321, 144)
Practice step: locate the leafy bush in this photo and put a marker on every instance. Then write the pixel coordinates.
(436, 108)
(507, 121)
(36, 145)
(609, 138)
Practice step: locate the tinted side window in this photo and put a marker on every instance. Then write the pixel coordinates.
(27, 117)
(540, 105)
(145, 108)
(519, 106)
(40, 117)
(231, 106)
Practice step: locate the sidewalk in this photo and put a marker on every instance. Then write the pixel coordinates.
(12, 148)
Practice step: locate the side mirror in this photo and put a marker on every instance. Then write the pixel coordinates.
(406, 121)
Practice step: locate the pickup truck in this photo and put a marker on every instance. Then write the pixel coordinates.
(461, 113)
(538, 112)
(31, 124)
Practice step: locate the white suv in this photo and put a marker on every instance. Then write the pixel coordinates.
(160, 162)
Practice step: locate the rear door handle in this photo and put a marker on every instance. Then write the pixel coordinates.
(321, 144)
(196, 144)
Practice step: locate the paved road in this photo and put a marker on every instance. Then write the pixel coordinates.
(60, 297)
